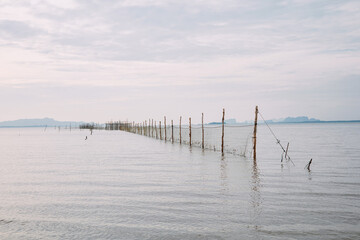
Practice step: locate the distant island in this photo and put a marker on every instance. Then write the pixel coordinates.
(39, 122)
(300, 119)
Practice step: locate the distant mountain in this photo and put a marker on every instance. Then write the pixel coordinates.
(38, 123)
(230, 121)
(299, 119)
(227, 121)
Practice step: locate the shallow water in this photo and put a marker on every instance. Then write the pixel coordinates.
(118, 185)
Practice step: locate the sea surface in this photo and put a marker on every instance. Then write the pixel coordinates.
(54, 184)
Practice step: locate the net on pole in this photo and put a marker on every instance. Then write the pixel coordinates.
(237, 138)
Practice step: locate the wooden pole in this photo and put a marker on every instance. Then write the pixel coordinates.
(152, 127)
(308, 165)
(145, 128)
(190, 131)
(149, 128)
(156, 134)
(202, 128)
(165, 128)
(180, 129)
(223, 129)
(160, 130)
(172, 131)
(255, 129)
(287, 148)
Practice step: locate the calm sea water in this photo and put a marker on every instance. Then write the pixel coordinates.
(118, 185)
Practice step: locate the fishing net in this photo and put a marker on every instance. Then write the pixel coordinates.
(237, 138)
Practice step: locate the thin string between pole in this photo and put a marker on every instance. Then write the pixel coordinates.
(277, 140)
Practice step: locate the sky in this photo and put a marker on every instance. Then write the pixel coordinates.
(101, 60)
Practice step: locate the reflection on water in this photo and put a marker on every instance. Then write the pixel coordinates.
(255, 196)
(223, 174)
(309, 175)
(116, 185)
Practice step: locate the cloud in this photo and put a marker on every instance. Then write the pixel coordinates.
(17, 30)
(240, 47)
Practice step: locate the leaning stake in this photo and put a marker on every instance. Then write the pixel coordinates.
(308, 165)
(287, 148)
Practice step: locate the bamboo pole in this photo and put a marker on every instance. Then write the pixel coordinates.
(190, 131)
(160, 130)
(156, 134)
(255, 129)
(180, 130)
(308, 165)
(152, 127)
(287, 148)
(165, 128)
(223, 130)
(202, 129)
(172, 131)
(145, 128)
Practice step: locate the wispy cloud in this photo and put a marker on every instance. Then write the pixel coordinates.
(271, 47)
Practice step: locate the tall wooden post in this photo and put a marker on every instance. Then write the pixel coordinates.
(255, 129)
(160, 130)
(156, 134)
(165, 128)
(202, 130)
(152, 127)
(146, 130)
(190, 131)
(149, 128)
(223, 130)
(172, 131)
(180, 129)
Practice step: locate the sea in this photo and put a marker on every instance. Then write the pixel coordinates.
(54, 184)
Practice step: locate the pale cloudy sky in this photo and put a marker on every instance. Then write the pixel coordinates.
(99, 60)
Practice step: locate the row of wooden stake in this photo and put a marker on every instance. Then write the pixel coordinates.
(148, 128)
